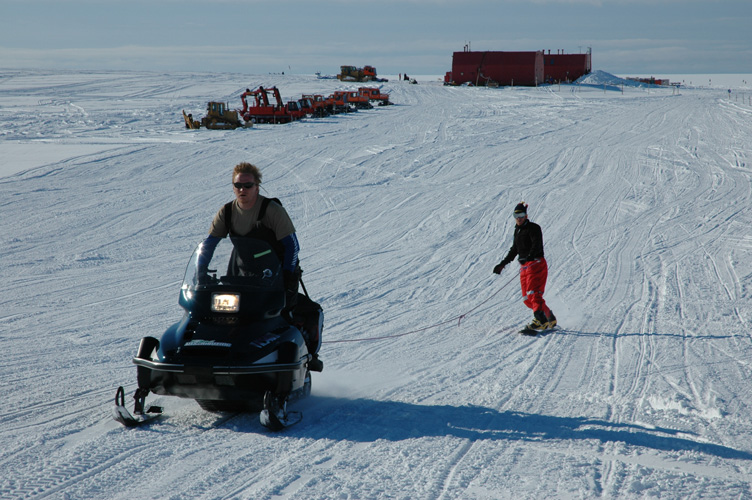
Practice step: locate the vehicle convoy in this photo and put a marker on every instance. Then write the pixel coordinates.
(237, 347)
(266, 106)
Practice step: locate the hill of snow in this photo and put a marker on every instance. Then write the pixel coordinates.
(600, 78)
(402, 212)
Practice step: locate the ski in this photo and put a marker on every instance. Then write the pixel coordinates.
(276, 423)
(275, 416)
(126, 418)
(531, 332)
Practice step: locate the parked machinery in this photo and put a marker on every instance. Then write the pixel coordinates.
(266, 110)
(296, 110)
(190, 123)
(353, 98)
(218, 117)
(374, 94)
(364, 74)
(311, 107)
(370, 73)
(267, 107)
(320, 105)
(350, 74)
(340, 103)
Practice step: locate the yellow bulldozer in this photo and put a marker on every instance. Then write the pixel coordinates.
(218, 117)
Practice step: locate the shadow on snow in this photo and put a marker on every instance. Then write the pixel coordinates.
(366, 420)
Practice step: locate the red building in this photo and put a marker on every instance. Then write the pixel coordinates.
(497, 68)
(515, 68)
(565, 68)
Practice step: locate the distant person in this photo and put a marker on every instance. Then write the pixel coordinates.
(527, 246)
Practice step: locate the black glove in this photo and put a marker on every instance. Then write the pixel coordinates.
(203, 277)
(498, 267)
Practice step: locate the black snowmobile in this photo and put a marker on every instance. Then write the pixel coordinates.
(237, 347)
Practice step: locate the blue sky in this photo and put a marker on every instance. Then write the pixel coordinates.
(415, 36)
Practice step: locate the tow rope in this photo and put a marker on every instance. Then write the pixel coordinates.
(458, 319)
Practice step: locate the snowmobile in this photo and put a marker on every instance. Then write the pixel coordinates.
(237, 347)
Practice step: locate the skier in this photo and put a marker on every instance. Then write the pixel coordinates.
(527, 246)
(256, 216)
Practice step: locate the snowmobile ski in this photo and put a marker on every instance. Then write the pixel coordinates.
(275, 416)
(141, 417)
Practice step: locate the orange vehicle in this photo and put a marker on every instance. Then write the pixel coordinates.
(264, 110)
(374, 94)
(369, 72)
(322, 106)
(296, 110)
(306, 105)
(353, 98)
(339, 103)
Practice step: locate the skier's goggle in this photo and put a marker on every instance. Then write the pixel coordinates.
(243, 185)
(520, 215)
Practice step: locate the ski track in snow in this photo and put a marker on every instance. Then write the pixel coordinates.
(402, 211)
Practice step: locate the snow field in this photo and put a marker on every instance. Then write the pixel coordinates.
(401, 213)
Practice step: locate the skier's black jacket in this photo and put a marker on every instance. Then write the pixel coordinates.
(528, 243)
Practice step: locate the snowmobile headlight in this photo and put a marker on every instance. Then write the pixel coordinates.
(225, 302)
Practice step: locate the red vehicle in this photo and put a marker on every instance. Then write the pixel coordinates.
(306, 106)
(338, 103)
(320, 106)
(369, 72)
(374, 94)
(265, 111)
(311, 107)
(353, 98)
(296, 110)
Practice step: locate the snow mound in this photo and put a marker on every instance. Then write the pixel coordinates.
(601, 78)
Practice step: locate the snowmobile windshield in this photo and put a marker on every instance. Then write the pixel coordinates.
(235, 261)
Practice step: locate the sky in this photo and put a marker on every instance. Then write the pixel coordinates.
(414, 37)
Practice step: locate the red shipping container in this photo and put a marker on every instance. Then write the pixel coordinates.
(497, 68)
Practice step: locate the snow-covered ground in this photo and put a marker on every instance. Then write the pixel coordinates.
(643, 195)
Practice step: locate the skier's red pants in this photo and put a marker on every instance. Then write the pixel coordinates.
(533, 276)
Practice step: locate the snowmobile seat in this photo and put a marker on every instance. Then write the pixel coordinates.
(308, 316)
